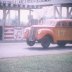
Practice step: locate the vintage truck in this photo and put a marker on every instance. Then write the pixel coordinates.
(55, 31)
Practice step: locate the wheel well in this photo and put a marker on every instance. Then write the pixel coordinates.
(49, 37)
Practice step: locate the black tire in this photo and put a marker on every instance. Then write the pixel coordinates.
(30, 43)
(61, 44)
(45, 42)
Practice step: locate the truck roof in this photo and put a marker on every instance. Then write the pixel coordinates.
(59, 19)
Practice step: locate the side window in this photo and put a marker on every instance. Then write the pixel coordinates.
(64, 24)
(59, 24)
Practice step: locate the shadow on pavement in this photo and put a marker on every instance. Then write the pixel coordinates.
(50, 48)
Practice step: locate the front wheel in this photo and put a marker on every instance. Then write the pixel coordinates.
(30, 43)
(45, 42)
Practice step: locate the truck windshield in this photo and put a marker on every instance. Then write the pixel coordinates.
(49, 23)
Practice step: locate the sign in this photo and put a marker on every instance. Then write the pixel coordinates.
(18, 33)
(61, 32)
(8, 33)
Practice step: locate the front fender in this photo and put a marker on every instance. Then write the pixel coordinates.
(43, 32)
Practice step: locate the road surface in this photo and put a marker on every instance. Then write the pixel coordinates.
(22, 49)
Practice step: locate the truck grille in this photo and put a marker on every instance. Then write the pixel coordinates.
(32, 34)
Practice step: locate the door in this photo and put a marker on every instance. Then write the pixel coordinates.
(63, 31)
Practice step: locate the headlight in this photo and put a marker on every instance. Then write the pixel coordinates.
(39, 31)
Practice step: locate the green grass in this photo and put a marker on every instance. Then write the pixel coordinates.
(45, 63)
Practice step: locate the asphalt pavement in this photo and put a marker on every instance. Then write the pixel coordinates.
(22, 49)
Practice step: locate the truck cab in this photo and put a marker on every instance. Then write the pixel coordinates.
(55, 31)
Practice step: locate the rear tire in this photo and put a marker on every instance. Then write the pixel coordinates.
(30, 43)
(45, 42)
(61, 44)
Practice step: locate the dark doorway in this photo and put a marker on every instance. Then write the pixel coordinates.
(1, 32)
